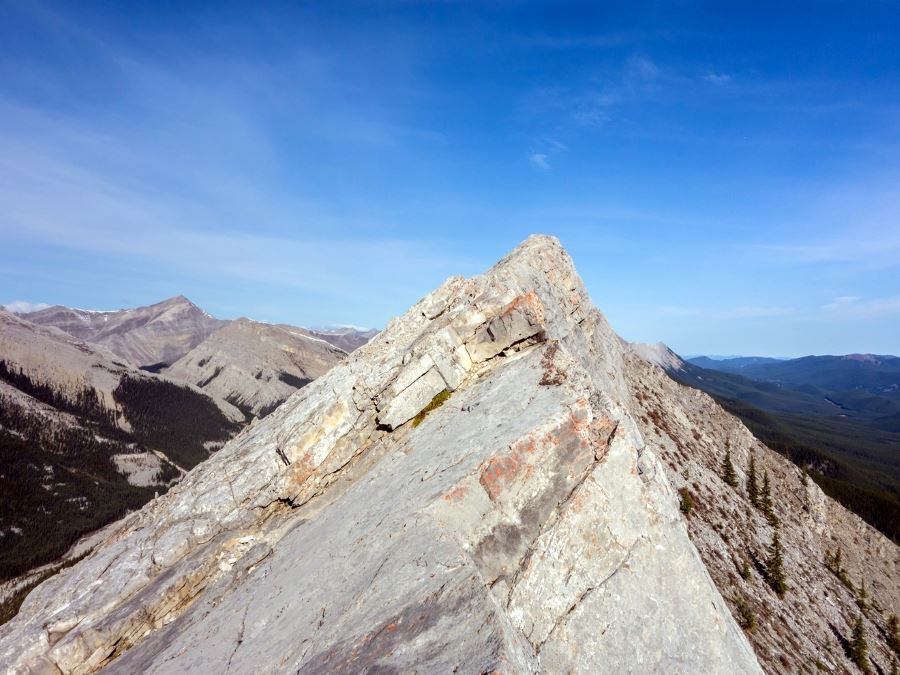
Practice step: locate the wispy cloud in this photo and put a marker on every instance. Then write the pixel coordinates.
(24, 307)
(717, 78)
(195, 169)
(595, 41)
(593, 101)
(841, 250)
(754, 312)
(674, 310)
(542, 150)
(855, 307)
(539, 161)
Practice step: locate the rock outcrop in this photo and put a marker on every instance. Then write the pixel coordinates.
(469, 492)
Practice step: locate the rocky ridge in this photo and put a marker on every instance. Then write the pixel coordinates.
(478, 489)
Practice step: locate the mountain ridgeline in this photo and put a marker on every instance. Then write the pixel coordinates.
(494, 483)
(253, 365)
(256, 366)
(89, 431)
(71, 416)
(144, 336)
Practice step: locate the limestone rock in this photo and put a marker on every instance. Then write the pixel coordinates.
(526, 525)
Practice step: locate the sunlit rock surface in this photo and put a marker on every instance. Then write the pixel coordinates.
(523, 525)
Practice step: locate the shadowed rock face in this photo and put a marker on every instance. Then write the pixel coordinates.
(524, 525)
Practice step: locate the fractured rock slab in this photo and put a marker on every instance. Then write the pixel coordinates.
(524, 526)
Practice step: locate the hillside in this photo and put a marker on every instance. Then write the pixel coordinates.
(808, 629)
(84, 438)
(494, 483)
(255, 366)
(848, 440)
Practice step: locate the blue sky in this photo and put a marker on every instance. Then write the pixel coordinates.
(727, 180)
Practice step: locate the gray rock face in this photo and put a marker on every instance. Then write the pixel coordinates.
(143, 336)
(524, 525)
(255, 365)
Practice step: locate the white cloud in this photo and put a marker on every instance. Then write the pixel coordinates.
(717, 78)
(539, 161)
(555, 144)
(23, 306)
(640, 68)
(592, 103)
(852, 249)
(856, 307)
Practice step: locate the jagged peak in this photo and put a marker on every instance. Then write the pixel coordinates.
(495, 516)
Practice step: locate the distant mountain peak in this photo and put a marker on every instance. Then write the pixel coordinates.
(144, 336)
(659, 354)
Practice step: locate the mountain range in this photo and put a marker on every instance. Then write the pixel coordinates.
(494, 483)
(95, 421)
(254, 365)
(862, 373)
(85, 437)
(144, 336)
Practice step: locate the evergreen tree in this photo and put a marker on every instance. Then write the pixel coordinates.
(804, 479)
(775, 566)
(862, 596)
(765, 501)
(765, 494)
(895, 667)
(752, 487)
(728, 474)
(859, 648)
(893, 631)
(687, 501)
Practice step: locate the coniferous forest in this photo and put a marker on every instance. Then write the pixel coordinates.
(58, 480)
